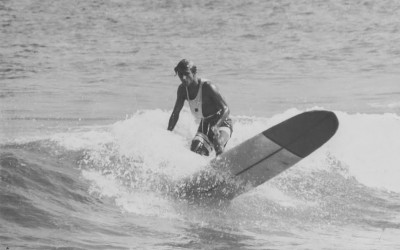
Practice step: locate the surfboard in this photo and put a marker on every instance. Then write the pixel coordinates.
(261, 157)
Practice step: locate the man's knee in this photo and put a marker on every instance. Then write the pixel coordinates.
(224, 137)
(221, 141)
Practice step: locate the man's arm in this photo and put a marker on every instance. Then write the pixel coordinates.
(180, 100)
(220, 101)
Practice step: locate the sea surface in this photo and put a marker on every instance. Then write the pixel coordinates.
(87, 88)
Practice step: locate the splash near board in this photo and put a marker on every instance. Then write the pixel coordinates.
(261, 157)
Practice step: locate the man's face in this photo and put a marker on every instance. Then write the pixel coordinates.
(186, 77)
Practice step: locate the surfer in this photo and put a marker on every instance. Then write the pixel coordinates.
(207, 105)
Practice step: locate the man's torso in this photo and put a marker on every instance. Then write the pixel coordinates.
(209, 106)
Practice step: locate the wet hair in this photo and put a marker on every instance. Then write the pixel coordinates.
(185, 66)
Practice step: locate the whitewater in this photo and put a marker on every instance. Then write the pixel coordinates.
(104, 187)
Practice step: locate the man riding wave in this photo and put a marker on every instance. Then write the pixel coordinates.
(207, 105)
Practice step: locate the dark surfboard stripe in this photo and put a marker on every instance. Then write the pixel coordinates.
(304, 133)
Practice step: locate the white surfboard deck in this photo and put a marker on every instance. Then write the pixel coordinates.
(261, 157)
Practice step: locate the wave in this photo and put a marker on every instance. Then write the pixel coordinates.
(135, 162)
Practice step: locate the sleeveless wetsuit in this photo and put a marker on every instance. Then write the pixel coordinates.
(196, 105)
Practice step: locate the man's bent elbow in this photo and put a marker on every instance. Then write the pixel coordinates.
(225, 111)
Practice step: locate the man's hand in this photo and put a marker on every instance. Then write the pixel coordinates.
(215, 130)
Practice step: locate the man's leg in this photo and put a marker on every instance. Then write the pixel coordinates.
(222, 139)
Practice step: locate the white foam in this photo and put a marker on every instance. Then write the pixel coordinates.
(390, 105)
(145, 136)
(105, 185)
(79, 140)
(138, 202)
(367, 144)
(274, 194)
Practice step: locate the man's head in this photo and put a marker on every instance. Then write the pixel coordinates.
(185, 66)
(186, 71)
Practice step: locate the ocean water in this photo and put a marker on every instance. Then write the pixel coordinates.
(87, 87)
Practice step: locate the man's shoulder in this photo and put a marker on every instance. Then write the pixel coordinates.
(205, 81)
(181, 87)
(181, 90)
(209, 85)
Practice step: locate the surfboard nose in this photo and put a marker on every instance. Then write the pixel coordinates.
(304, 133)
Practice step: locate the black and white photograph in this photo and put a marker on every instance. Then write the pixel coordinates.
(200, 124)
